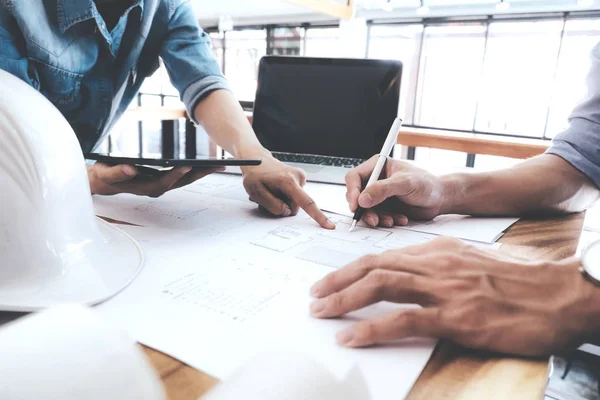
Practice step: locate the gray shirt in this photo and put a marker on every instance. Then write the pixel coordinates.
(580, 143)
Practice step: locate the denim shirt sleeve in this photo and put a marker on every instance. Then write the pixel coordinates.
(189, 60)
(12, 44)
(579, 145)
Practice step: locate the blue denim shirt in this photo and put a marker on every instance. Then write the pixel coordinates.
(63, 49)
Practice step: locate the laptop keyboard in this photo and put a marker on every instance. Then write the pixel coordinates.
(318, 160)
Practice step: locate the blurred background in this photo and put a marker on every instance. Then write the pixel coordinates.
(503, 68)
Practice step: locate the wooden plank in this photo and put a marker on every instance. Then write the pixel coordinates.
(333, 9)
(472, 143)
(453, 372)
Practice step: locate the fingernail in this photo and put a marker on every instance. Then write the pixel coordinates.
(317, 307)
(329, 224)
(402, 221)
(315, 290)
(345, 337)
(388, 223)
(287, 212)
(371, 221)
(129, 170)
(365, 200)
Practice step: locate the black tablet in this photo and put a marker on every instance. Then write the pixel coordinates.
(198, 162)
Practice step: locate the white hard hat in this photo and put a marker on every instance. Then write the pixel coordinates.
(53, 249)
(71, 353)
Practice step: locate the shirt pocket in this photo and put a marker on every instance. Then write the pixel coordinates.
(60, 86)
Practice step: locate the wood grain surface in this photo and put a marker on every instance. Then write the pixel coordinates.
(453, 372)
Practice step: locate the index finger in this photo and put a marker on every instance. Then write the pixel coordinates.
(296, 194)
(376, 286)
(355, 179)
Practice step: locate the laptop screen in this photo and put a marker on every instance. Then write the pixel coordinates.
(332, 107)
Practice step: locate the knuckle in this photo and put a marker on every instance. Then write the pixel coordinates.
(450, 318)
(407, 321)
(335, 302)
(448, 261)
(251, 188)
(280, 209)
(377, 279)
(448, 242)
(365, 331)
(290, 177)
(309, 202)
(369, 261)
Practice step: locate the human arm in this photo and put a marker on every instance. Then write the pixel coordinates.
(114, 179)
(565, 179)
(482, 299)
(543, 185)
(205, 92)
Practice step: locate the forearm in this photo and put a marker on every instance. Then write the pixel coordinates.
(222, 117)
(543, 185)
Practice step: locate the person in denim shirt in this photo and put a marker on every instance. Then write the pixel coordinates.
(90, 57)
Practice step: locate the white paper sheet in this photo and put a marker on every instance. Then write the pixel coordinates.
(215, 306)
(215, 300)
(206, 206)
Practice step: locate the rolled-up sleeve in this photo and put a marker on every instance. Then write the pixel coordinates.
(580, 143)
(190, 63)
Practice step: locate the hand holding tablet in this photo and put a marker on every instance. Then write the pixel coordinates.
(115, 173)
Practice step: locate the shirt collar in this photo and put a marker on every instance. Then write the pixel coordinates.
(71, 12)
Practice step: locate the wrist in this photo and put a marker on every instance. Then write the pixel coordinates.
(452, 192)
(251, 149)
(586, 308)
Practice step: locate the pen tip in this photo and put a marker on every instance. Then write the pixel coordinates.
(353, 225)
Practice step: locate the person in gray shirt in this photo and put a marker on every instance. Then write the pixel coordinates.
(477, 298)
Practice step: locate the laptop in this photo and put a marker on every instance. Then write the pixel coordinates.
(325, 115)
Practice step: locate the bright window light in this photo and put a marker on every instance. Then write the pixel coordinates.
(503, 5)
(423, 10)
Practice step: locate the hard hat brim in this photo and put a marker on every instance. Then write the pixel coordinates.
(97, 273)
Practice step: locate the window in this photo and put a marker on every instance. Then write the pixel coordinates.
(483, 162)
(519, 69)
(216, 42)
(443, 159)
(580, 36)
(287, 42)
(322, 42)
(400, 42)
(243, 51)
(347, 41)
(449, 76)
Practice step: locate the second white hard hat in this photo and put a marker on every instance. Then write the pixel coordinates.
(53, 249)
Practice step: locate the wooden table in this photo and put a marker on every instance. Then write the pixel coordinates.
(452, 372)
